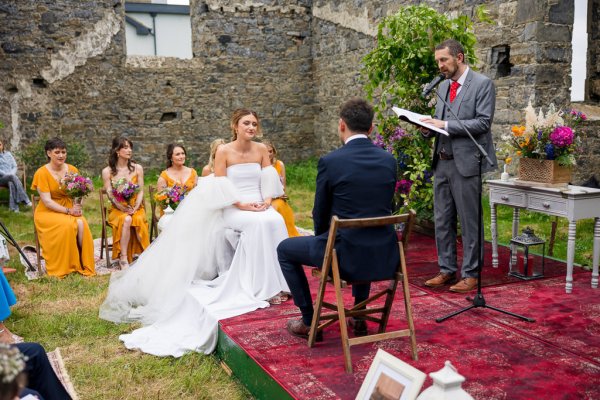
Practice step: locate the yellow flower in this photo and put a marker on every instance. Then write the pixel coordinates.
(518, 130)
(508, 160)
(519, 153)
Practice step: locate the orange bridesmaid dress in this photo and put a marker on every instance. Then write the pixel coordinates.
(139, 241)
(188, 185)
(283, 208)
(57, 232)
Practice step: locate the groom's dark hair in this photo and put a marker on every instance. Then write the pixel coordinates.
(358, 115)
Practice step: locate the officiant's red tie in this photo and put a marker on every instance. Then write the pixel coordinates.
(453, 89)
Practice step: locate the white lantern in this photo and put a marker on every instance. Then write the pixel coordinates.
(165, 219)
(446, 385)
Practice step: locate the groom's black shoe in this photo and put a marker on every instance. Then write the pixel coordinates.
(297, 328)
(359, 326)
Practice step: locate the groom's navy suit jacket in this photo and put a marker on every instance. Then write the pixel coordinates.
(357, 181)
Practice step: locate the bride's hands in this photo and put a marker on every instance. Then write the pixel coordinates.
(253, 206)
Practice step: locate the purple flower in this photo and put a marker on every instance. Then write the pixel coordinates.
(378, 141)
(549, 149)
(562, 136)
(403, 186)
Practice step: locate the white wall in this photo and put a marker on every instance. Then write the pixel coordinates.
(173, 36)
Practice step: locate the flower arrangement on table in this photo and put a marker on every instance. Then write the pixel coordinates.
(76, 186)
(170, 196)
(124, 190)
(549, 136)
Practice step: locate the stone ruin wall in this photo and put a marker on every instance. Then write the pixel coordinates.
(66, 76)
(537, 33)
(65, 71)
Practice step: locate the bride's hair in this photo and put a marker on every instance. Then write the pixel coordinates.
(117, 144)
(235, 118)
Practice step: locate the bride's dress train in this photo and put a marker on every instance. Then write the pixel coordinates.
(213, 261)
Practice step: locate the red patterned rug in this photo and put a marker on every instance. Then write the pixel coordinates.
(556, 357)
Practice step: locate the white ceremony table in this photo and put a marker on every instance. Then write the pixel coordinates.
(572, 202)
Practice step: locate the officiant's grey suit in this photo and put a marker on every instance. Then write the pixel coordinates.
(456, 180)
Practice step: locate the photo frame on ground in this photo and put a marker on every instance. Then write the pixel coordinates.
(391, 378)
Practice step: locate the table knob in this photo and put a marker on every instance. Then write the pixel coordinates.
(504, 197)
(546, 205)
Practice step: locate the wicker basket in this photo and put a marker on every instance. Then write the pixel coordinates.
(545, 171)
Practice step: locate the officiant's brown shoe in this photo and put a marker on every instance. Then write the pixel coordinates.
(441, 279)
(464, 286)
(298, 328)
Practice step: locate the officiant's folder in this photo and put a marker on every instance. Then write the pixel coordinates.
(415, 119)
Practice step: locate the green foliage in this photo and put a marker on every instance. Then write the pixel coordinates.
(34, 155)
(396, 72)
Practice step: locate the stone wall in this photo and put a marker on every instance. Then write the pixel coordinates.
(65, 71)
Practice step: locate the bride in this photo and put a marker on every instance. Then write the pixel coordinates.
(216, 259)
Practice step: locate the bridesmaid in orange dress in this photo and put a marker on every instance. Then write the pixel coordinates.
(281, 203)
(127, 218)
(63, 232)
(177, 173)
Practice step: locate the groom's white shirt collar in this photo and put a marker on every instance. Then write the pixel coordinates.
(357, 136)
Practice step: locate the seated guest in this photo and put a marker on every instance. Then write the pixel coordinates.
(357, 180)
(8, 178)
(210, 167)
(7, 299)
(124, 183)
(63, 232)
(26, 371)
(177, 173)
(281, 203)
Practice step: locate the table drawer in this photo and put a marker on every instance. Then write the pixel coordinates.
(507, 197)
(548, 205)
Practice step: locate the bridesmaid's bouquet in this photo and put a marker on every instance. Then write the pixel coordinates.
(124, 190)
(76, 186)
(170, 196)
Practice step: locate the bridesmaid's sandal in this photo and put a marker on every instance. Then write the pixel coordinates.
(275, 300)
(123, 264)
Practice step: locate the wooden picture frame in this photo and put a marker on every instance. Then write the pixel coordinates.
(391, 378)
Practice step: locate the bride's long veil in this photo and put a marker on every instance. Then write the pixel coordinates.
(193, 246)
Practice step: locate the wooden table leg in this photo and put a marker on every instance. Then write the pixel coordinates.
(570, 255)
(515, 232)
(494, 228)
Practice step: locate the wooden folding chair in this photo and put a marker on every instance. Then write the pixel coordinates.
(153, 217)
(105, 246)
(331, 268)
(34, 202)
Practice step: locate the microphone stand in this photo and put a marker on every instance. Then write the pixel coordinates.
(478, 301)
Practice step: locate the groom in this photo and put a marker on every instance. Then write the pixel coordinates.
(355, 181)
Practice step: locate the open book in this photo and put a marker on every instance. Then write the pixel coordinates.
(415, 119)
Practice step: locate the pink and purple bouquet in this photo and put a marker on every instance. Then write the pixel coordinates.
(76, 186)
(170, 196)
(549, 136)
(124, 190)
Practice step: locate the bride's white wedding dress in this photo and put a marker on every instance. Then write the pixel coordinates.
(173, 288)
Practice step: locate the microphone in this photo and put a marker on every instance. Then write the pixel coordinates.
(436, 81)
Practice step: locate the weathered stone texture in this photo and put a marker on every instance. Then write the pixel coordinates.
(65, 70)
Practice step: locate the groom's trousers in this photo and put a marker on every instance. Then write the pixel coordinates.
(293, 254)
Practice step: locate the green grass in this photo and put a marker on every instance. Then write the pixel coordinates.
(64, 312)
